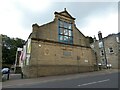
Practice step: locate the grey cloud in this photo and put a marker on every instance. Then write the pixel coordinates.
(79, 10)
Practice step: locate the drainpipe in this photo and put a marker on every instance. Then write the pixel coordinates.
(101, 39)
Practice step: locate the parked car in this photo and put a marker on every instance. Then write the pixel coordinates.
(5, 70)
(5, 73)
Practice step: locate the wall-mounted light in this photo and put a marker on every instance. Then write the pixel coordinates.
(39, 45)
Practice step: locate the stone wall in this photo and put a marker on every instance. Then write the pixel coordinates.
(48, 58)
(112, 58)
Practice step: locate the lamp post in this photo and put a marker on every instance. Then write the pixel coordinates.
(102, 46)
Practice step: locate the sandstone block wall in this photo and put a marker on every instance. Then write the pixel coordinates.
(56, 59)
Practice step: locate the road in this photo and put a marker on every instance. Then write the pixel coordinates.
(109, 80)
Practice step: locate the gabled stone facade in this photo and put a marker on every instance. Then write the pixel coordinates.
(58, 48)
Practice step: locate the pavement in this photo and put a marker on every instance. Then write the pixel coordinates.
(15, 79)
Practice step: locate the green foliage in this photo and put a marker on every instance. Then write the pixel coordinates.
(9, 49)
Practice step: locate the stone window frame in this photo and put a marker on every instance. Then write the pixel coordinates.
(65, 31)
(102, 52)
(110, 49)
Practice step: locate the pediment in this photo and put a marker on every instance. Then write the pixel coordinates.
(65, 13)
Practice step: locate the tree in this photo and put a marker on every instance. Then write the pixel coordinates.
(9, 48)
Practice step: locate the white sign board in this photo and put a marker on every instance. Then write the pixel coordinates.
(86, 61)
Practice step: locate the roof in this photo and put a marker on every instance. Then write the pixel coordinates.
(112, 35)
(65, 13)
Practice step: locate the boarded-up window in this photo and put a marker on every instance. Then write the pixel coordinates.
(67, 53)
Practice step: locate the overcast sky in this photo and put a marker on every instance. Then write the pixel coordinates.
(17, 16)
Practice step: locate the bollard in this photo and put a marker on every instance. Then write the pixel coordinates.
(8, 74)
(22, 75)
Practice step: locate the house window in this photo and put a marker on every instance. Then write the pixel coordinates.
(100, 44)
(110, 50)
(117, 39)
(65, 32)
(102, 52)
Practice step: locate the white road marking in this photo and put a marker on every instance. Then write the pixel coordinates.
(94, 82)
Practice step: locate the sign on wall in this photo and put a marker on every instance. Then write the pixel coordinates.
(86, 61)
(28, 59)
(24, 53)
(29, 46)
(28, 52)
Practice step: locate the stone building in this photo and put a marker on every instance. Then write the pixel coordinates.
(0, 51)
(112, 50)
(0, 56)
(57, 47)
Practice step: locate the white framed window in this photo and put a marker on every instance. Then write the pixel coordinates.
(117, 39)
(100, 44)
